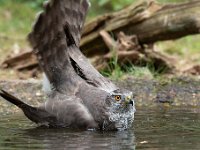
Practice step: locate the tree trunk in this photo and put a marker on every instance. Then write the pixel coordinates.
(149, 21)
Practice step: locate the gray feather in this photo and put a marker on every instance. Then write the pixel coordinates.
(80, 96)
(56, 29)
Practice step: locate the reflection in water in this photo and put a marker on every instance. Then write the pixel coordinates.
(24, 136)
(59, 139)
(177, 128)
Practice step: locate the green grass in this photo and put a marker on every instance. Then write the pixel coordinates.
(115, 71)
(16, 19)
(137, 72)
(102, 6)
(186, 49)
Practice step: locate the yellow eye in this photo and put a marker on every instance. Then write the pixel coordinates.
(117, 97)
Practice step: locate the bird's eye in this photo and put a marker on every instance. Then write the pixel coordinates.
(117, 97)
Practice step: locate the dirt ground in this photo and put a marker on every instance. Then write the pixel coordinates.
(179, 91)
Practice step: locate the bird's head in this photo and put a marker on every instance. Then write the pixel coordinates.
(121, 109)
(120, 99)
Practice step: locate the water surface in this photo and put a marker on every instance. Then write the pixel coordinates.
(175, 128)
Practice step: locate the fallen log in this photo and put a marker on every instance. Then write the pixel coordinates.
(149, 22)
(21, 61)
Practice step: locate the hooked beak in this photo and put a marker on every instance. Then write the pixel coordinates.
(129, 100)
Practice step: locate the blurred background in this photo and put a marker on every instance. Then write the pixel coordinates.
(17, 16)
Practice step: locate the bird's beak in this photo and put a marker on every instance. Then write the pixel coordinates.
(129, 100)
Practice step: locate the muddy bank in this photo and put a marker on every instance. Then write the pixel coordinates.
(179, 91)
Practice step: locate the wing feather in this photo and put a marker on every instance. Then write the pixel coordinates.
(56, 29)
(55, 39)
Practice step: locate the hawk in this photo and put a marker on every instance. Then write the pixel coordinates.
(80, 96)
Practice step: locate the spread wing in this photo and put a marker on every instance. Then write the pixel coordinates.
(55, 39)
(56, 30)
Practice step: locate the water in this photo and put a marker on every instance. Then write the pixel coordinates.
(154, 129)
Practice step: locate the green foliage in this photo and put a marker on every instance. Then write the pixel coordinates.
(115, 4)
(105, 6)
(110, 5)
(36, 4)
(16, 18)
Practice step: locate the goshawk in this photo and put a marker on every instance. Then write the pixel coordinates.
(80, 96)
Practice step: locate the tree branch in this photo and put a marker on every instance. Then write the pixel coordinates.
(149, 21)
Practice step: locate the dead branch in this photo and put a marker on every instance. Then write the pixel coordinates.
(149, 21)
(141, 24)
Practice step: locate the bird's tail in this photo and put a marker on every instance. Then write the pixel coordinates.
(12, 99)
(34, 114)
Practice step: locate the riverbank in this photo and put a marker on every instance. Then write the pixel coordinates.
(175, 91)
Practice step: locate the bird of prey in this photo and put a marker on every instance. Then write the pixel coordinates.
(80, 96)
